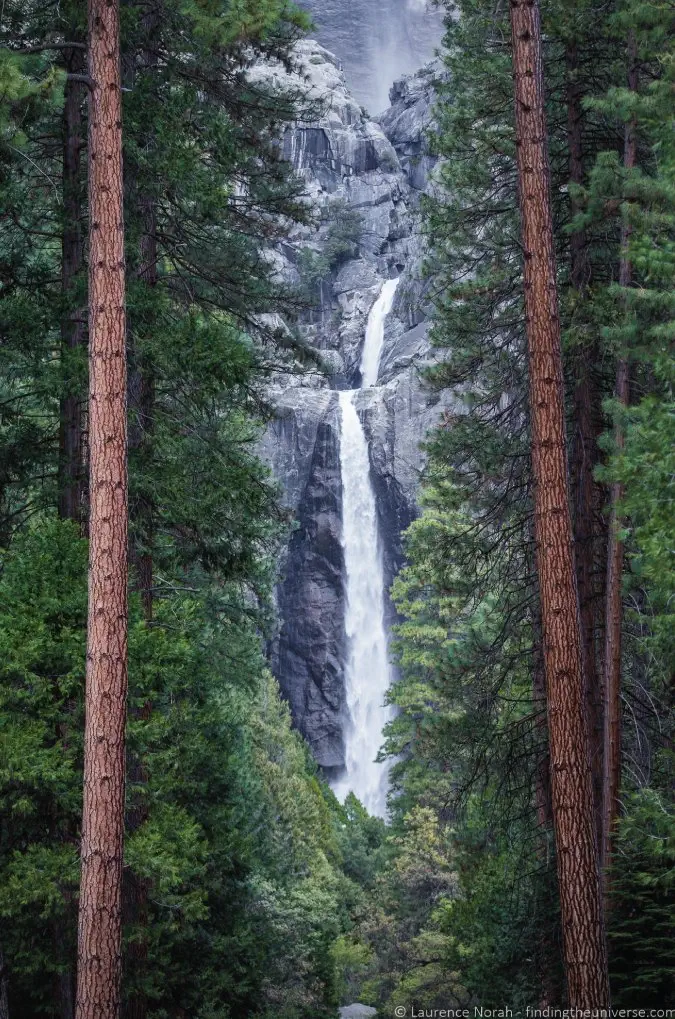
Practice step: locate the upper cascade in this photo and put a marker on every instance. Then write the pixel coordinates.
(372, 347)
(377, 41)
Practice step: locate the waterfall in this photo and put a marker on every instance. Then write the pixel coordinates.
(372, 348)
(367, 673)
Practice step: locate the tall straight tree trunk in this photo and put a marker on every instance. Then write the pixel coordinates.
(71, 460)
(586, 501)
(584, 944)
(99, 942)
(615, 553)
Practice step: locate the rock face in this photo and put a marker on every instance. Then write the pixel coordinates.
(365, 179)
(378, 41)
(308, 657)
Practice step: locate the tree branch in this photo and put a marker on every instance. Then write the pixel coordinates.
(52, 46)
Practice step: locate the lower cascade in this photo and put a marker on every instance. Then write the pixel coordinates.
(368, 672)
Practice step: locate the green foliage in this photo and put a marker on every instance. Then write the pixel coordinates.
(501, 916)
(405, 956)
(469, 739)
(340, 240)
(642, 918)
(231, 885)
(235, 848)
(646, 467)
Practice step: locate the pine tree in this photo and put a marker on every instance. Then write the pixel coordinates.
(102, 848)
(572, 791)
(627, 189)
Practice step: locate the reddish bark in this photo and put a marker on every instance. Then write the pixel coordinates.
(584, 944)
(99, 941)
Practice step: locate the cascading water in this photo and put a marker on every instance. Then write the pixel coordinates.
(367, 675)
(372, 348)
(377, 41)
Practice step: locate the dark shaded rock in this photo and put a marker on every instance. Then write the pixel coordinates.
(346, 158)
(309, 653)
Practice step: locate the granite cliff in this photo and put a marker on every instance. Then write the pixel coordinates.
(364, 178)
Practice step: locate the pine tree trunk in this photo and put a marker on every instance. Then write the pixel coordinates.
(615, 556)
(99, 943)
(71, 461)
(586, 500)
(571, 785)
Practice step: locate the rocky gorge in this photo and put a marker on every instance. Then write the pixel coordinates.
(365, 179)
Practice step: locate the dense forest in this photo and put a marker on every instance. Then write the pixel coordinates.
(168, 846)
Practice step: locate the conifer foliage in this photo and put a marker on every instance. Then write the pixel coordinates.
(229, 893)
(532, 772)
(472, 739)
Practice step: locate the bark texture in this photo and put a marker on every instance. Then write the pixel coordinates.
(99, 934)
(73, 333)
(571, 786)
(615, 555)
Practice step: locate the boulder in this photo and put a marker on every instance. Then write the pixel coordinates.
(357, 1012)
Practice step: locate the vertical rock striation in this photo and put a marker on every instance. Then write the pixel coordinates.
(365, 179)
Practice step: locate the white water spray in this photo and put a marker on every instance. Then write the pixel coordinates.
(372, 348)
(367, 674)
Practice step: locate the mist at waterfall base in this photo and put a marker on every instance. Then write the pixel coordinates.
(377, 41)
(368, 671)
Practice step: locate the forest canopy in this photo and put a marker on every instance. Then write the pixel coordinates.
(528, 858)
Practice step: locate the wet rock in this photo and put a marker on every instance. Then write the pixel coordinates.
(377, 171)
(308, 654)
